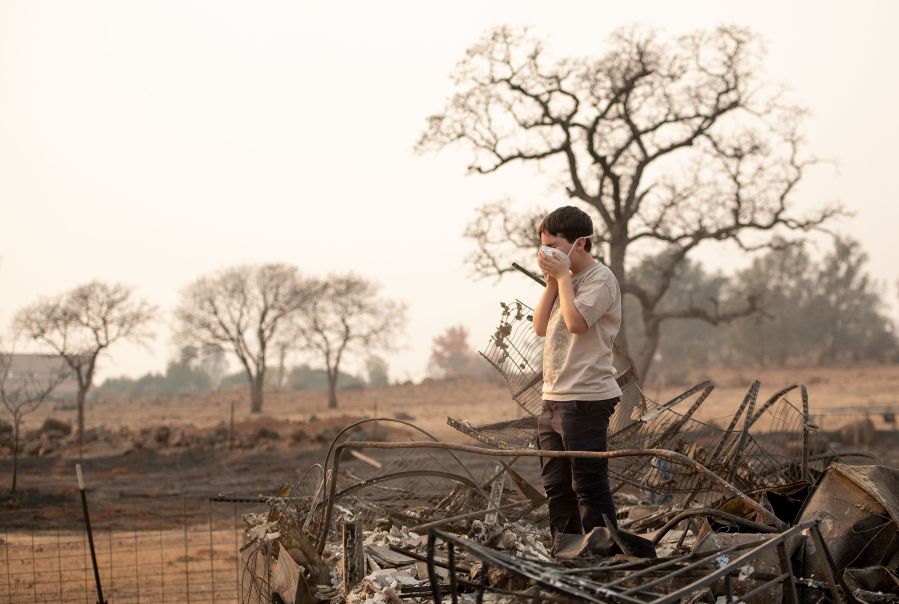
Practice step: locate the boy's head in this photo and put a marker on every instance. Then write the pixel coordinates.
(570, 223)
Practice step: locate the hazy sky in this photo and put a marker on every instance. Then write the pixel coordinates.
(153, 142)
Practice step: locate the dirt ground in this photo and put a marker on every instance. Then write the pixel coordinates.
(133, 474)
(159, 535)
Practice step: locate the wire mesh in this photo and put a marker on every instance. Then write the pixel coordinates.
(516, 352)
(412, 487)
(179, 554)
(780, 434)
(415, 487)
(670, 426)
(518, 433)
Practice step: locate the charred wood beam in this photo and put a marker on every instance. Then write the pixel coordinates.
(438, 561)
(365, 458)
(353, 556)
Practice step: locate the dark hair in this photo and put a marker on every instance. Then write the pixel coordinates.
(568, 222)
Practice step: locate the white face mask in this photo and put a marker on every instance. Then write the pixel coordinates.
(551, 251)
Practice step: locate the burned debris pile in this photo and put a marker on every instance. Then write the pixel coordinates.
(759, 510)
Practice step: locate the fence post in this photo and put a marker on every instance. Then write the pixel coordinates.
(136, 567)
(186, 556)
(162, 562)
(90, 535)
(239, 576)
(8, 576)
(111, 550)
(33, 568)
(211, 550)
(58, 560)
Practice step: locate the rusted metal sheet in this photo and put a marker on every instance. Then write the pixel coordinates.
(858, 507)
(288, 580)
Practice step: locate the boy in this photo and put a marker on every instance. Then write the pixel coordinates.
(579, 314)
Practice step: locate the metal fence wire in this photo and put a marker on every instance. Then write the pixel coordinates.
(167, 551)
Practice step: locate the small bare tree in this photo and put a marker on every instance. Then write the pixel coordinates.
(451, 354)
(669, 145)
(345, 315)
(22, 393)
(80, 324)
(244, 309)
(377, 371)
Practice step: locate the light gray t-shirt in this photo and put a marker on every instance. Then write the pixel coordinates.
(578, 367)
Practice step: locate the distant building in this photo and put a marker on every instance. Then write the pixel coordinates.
(42, 369)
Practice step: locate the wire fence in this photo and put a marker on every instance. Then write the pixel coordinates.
(158, 551)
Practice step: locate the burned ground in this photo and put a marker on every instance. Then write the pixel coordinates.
(151, 466)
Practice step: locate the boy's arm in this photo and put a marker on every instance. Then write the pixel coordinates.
(557, 272)
(574, 321)
(545, 306)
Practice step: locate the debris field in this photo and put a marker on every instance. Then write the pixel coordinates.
(760, 510)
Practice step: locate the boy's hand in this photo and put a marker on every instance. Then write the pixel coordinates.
(552, 266)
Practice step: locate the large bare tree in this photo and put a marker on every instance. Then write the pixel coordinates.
(80, 324)
(244, 309)
(22, 392)
(669, 144)
(346, 314)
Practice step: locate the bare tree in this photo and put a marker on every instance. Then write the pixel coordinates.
(244, 309)
(80, 324)
(22, 393)
(669, 145)
(347, 315)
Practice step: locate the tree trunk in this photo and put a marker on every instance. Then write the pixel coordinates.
(332, 389)
(282, 370)
(650, 345)
(617, 257)
(617, 252)
(79, 400)
(256, 384)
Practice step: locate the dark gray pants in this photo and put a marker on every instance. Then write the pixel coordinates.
(577, 490)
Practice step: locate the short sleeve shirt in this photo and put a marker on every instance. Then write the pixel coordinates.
(578, 367)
